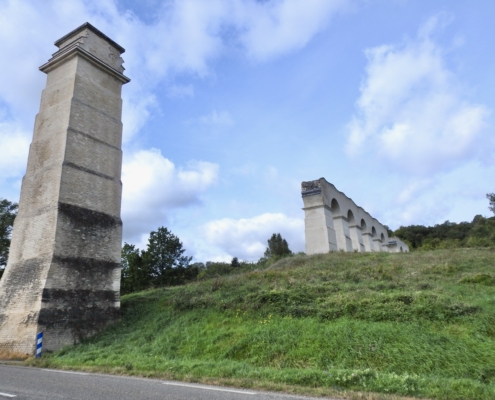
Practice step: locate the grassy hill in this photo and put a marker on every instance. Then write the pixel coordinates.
(419, 324)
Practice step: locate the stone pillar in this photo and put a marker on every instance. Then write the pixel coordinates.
(377, 244)
(63, 273)
(356, 238)
(344, 242)
(368, 241)
(385, 246)
(318, 220)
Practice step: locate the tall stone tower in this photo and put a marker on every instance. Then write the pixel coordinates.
(63, 273)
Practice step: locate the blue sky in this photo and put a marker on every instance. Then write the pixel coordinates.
(233, 103)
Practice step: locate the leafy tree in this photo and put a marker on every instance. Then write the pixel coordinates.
(198, 265)
(8, 211)
(390, 232)
(235, 263)
(165, 260)
(163, 263)
(277, 247)
(491, 199)
(482, 231)
(216, 268)
(414, 234)
(135, 273)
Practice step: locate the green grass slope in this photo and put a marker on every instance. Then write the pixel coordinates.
(420, 324)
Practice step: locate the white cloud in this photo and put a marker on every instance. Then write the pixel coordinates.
(273, 28)
(183, 38)
(409, 193)
(217, 119)
(246, 238)
(153, 185)
(137, 109)
(188, 34)
(14, 143)
(454, 195)
(412, 112)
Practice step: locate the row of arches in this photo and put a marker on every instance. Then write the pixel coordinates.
(333, 222)
(355, 230)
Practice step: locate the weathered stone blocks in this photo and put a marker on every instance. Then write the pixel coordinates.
(63, 274)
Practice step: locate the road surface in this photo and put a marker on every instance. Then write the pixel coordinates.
(22, 383)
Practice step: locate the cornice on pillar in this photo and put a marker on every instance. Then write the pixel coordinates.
(86, 41)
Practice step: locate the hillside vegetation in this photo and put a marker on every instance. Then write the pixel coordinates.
(419, 324)
(480, 232)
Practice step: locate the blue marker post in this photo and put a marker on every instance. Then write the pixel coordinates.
(39, 344)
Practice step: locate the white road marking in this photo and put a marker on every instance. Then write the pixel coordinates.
(7, 395)
(208, 388)
(65, 372)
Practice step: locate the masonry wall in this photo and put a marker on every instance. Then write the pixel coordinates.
(333, 222)
(63, 273)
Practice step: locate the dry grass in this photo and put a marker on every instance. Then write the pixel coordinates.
(6, 355)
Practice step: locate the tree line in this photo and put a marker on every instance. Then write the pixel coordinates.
(480, 232)
(163, 263)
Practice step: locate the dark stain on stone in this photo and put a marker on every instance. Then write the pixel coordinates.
(78, 297)
(79, 313)
(86, 265)
(80, 320)
(81, 217)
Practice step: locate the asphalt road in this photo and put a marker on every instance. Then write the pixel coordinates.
(35, 383)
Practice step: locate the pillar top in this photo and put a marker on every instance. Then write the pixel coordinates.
(310, 188)
(80, 32)
(92, 44)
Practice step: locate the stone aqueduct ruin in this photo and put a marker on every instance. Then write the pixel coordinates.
(333, 222)
(63, 273)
